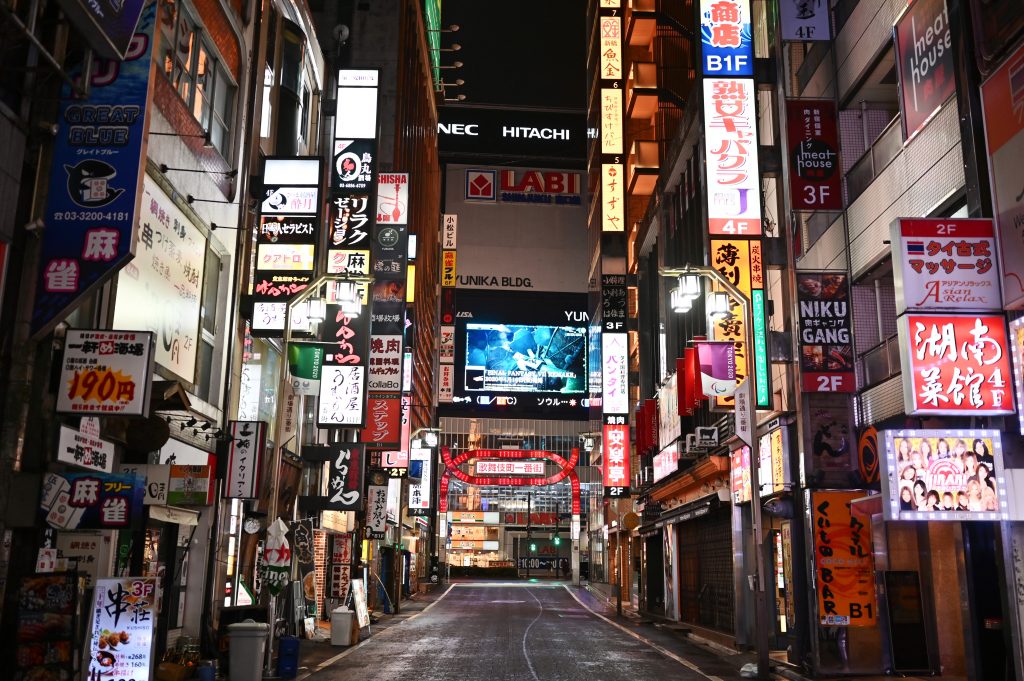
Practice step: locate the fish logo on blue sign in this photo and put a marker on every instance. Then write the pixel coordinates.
(89, 183)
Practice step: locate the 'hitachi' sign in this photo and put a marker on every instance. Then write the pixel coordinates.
(523, 132)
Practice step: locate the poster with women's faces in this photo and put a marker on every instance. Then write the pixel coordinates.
(944, 475)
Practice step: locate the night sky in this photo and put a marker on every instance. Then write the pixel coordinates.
(524, 53)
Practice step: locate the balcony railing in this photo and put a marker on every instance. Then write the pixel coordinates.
(880, 362)
(883, 150)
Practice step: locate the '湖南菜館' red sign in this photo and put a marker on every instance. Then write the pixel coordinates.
(955, 364)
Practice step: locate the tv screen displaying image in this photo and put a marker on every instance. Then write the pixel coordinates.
(525, 358)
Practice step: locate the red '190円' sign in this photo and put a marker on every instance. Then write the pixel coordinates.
(955, 364)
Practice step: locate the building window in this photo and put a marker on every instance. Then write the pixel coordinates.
(202, 82)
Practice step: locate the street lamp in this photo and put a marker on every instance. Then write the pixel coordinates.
(746, 424)
(344, 291)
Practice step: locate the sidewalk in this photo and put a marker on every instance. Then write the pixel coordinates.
(688, 639)
(313, 653)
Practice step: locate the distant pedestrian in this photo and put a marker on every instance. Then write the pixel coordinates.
(566, 570)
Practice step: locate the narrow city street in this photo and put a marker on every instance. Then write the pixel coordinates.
(505, 631)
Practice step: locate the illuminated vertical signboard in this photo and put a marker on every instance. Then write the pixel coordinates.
(614, 308)
(730, 156)
(727, 45)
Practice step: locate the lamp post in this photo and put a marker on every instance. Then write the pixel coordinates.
(746, 426)
(301, 298)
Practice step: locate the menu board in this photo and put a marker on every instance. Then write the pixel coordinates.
(121, 629)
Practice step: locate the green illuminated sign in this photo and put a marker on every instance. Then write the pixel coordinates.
(760, 350)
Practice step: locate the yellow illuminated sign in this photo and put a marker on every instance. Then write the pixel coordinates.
(613, 198)
(611, 121)
(448, 269)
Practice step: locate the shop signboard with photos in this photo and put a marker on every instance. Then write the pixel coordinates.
(1004, 140)
(288, 238)
(924, 61)
(945, 264)
(955, 365)
(953, 474)
(106, 373)
(120, 629)
(826, 332)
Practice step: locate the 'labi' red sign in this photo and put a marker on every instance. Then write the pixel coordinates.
(955, 364)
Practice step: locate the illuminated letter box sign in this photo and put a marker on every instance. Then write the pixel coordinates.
(955, 364)
(730, 155)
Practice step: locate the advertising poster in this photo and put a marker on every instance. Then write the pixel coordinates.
(945, 264)
(168, 267)
(666, 462)
(844, 569)
(805, 20)
(341, 581)
(248, 442)
(730, 144)
(826, 333)
(815, 179)
(717, 368)
(106, 372)
(120, 629)
(94, 186)
(828, 433)
(190, 485)
(739, 474)
(303, 555)
(45, 633)
(305, 363)
(90, 501)
(1002, 97)
(345, 481)
(944, 475)
(924, 61)
(955, 364)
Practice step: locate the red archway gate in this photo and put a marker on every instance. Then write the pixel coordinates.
(568, 470)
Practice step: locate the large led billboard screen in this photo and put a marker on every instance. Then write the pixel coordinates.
(521, 354)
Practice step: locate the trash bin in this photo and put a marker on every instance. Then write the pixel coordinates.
(343, 623)
(288, 657)
(248, 644)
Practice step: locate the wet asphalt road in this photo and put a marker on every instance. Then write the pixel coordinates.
(506, 632)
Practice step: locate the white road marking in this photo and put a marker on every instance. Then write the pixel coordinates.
(664, 651)
(527, 633)
(345, 653)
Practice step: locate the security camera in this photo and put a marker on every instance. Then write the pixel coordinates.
(341, 33)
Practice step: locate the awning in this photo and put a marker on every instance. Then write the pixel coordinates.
(690, 511)
(173, 514)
